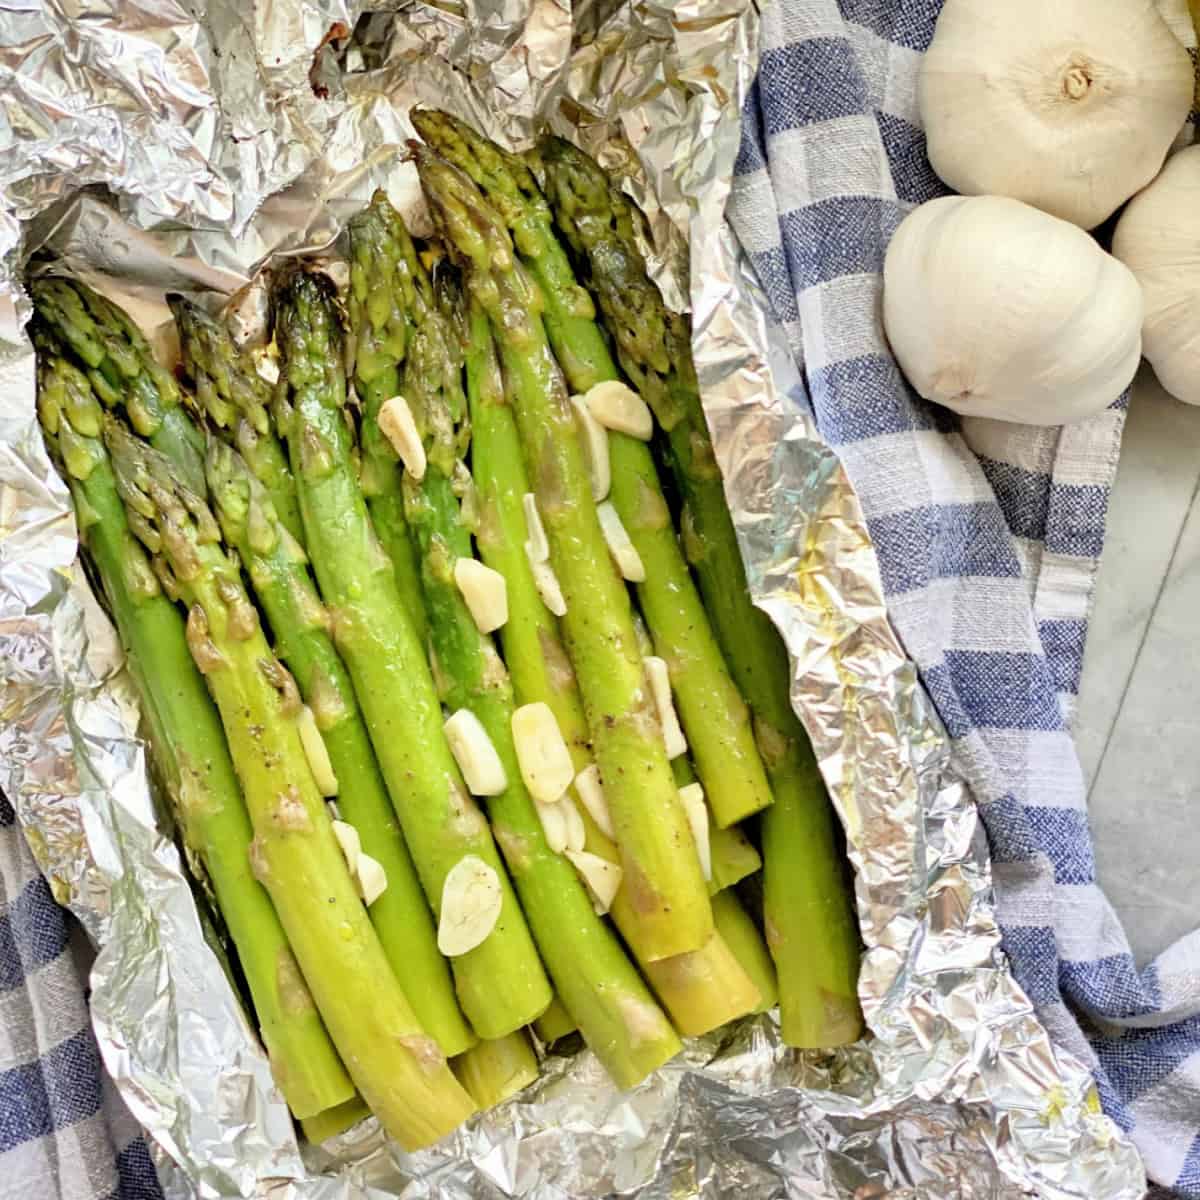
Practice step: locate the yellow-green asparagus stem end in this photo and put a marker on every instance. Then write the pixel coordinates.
(495, 1071)
(554, 1023)
(742, 937)
(334, 1121)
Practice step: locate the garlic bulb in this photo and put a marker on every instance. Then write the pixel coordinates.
(996, 309)
(1070, 106)
(1158, 239)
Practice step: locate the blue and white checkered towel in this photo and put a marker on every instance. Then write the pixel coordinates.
(989, 537)
(63, 1133)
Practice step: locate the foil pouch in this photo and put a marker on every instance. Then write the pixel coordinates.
(156, 145)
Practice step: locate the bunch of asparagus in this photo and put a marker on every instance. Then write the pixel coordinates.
(422, 843)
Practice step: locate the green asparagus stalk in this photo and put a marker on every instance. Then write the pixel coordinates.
(398, 1069)
(714, 716)
(278, 571)
(187, 744)
(597, 984)
(333, 1121)
(495, 1071)
(237, 399)
(711, 710)
(554, 1023)
(123, 372)
(660, 867)
(812, 929)
(379, 324)
(709, 988)
(743, 938)
(732, 855)
(501, 985)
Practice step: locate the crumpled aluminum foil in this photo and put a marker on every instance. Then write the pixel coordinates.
(230, 132)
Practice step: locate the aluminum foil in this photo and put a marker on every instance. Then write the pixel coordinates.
(225, 133)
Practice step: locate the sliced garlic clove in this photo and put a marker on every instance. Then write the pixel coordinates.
(397, 425)
(590, 791)
(617, 406)
(628, 561)
(660, 686)
(316, 753)
(372, 879)
(537, 547)
(548, 587)
(594, 439)
(602, 878)
(471, 903)
(541, 752)
(485, 592)
(266, 365)
(691, 796)
(348, 839)
(476, 756)
(554, 825)
(576, 830)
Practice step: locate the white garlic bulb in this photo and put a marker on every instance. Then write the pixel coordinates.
(996, 309)
(1158, 239)
(1070, 106)
(1178, 17)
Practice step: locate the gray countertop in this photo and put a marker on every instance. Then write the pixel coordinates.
(1138, 721)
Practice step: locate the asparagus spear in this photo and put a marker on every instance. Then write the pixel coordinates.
(501, 984)
(730, 851)
(660, 868)
(554, 1023)
(226, 383)
(598, 985)
(731, 856)
(810, 923)
(380, 326)
(495, 1071)
(744, 940)
(187, 743)
(712, 711)
(398, 1069)
(710, 988)
(332, 1121)
(122, 369)
(278, 571)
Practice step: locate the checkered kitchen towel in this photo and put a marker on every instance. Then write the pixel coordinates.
(988, 535)
(63, 1133)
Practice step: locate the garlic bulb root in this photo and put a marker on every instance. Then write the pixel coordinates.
(1071, 106)
(1158, 239)
(996, 309)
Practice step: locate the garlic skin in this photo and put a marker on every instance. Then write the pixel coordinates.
(995, 309)
(1069, 106)
(1158, 239)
